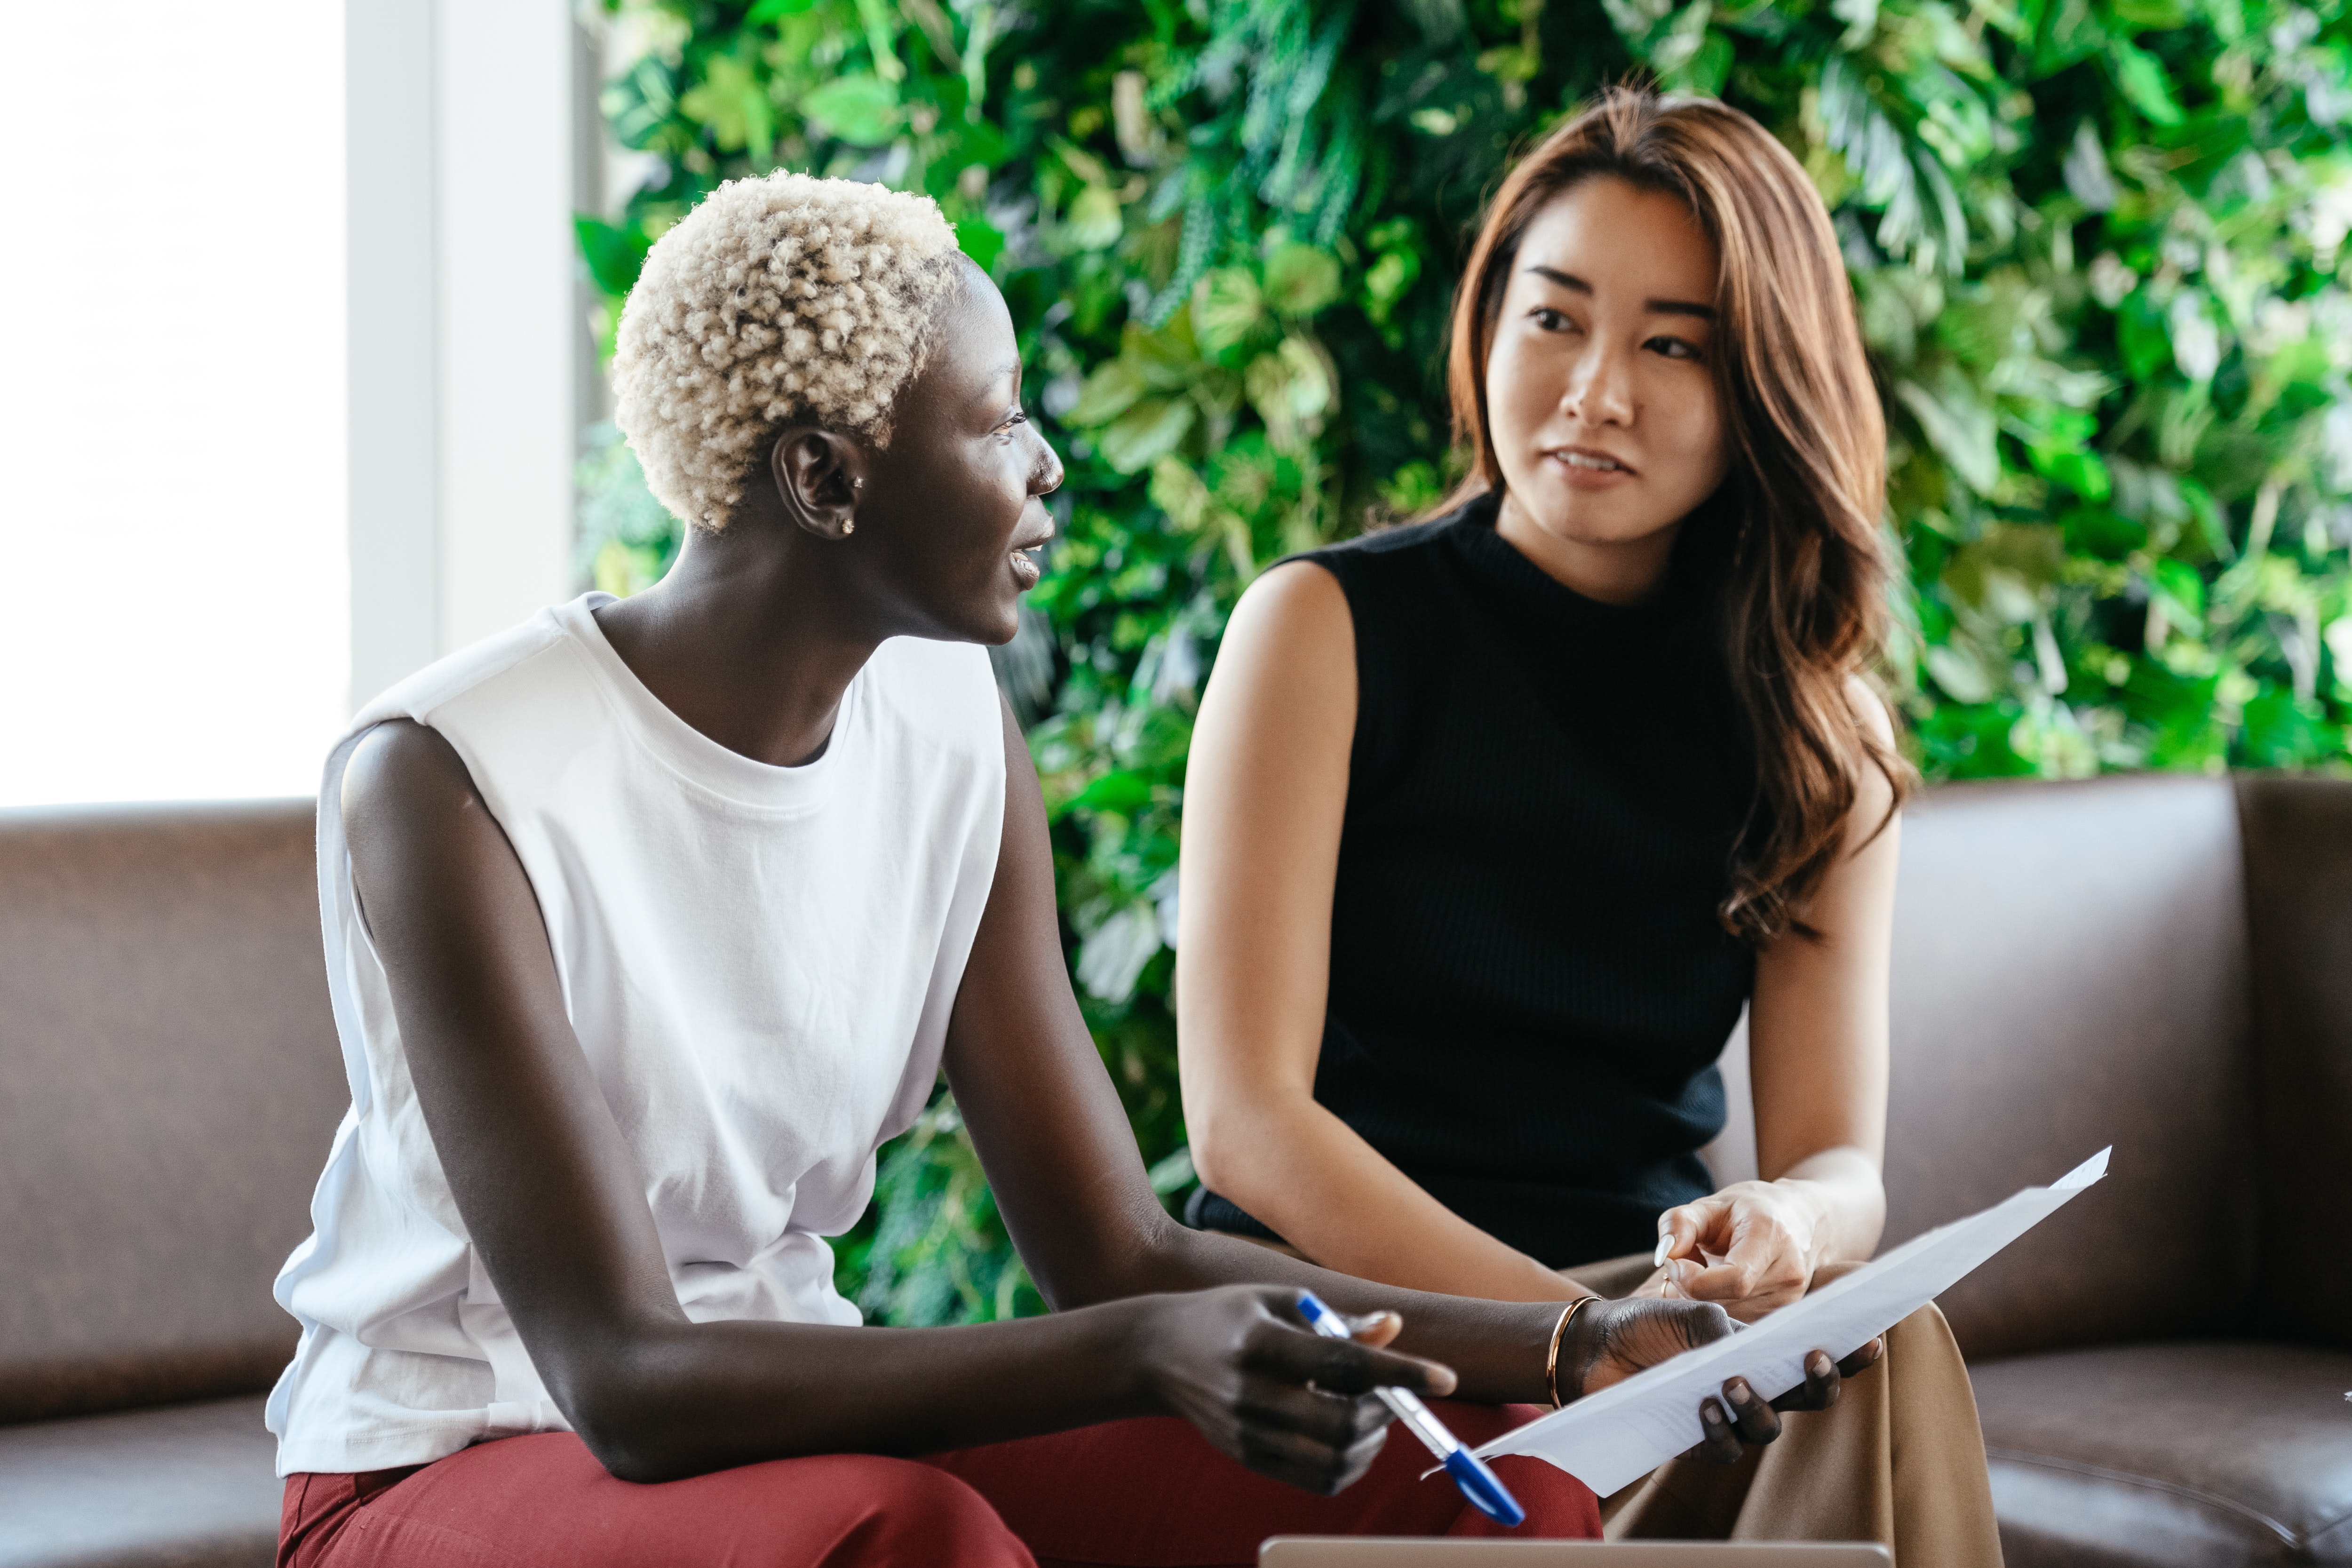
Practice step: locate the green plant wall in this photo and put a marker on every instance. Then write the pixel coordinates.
(2099, 250)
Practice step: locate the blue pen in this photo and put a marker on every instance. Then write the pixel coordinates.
(1480, 1484)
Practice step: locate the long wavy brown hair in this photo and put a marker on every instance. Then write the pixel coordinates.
(1790, 548)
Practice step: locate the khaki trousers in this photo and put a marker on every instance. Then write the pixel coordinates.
(1898, 1459)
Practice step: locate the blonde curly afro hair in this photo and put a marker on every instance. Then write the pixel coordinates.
(778, 301)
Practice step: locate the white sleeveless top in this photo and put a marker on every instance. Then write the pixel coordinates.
(759, 962)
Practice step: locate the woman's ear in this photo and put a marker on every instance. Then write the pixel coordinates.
(820, 479)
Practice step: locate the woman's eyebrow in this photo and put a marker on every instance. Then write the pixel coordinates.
(1008, 371)
(1574, 284)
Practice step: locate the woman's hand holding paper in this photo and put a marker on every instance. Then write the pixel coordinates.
(1615, 1339)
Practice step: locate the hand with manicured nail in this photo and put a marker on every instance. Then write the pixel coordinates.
(1751, 1249)
(1611, 1340)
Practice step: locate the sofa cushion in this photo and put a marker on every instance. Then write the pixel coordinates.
(169, 1085)
(2070, 971)
(2170, 1454)
(189, 1485)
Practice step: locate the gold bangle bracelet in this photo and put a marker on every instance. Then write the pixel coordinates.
(1560, 1333)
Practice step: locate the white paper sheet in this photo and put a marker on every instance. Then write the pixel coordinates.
(1610, 1439)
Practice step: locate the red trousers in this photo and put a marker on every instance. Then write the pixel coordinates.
(1129, 1494)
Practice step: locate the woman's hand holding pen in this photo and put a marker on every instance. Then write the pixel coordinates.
(1237, 1364)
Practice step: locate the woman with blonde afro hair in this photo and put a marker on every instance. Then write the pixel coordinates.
(650, 921)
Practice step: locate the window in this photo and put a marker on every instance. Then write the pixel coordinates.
(171, 410)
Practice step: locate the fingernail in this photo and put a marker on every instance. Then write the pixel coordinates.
(1738, 1393)
(1820, 1366)
(1665, 1245)
(1711, 1413)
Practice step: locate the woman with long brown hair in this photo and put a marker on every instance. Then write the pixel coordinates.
(1494, 824)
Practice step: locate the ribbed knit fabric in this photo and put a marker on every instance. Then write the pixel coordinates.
(1529, 988)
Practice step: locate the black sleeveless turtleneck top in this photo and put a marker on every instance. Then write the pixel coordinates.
(1530, 986)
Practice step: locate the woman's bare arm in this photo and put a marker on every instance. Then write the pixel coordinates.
(1817, 1031)
(1263, 799)
(552, 1202)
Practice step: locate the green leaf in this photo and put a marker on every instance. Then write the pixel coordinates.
(1121, 791)
(2142, 81)
(2281, 730)
(981, 240)
(1148, 430)
(2140, 333)
(1094, 222)
(1172, 1174)
(2077, 468)
(1226, 307)
(1178, 489)
(2184, 732)
(2182, 590)
(1962, 672)
(1860, 20)
(2094, 531)
(1703, 74)
(1290, 388)
(2085, 170)
(1301, 279)
(614, 254)
(2155, 16)
(2006, 575)
(859, 108)
(733, 101)
(1388, 280)
(1169, 359)
(1974, 741)
(1111, 959)
(1108, 393)
(1960, 425)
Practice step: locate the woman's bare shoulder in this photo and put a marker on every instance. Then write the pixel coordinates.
(1291, 610)
(1282, 691)
(1870, 710)
(401, 769)
(413, 813)
(1880, 780)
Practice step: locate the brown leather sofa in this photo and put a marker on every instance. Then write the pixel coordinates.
(2163, 965)
(169, 1082)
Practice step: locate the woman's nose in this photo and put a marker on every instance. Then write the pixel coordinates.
(1046, 477)
(1600, 390)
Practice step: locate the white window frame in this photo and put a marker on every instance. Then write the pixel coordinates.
(472, 139)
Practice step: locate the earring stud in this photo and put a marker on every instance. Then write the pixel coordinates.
(847, 528)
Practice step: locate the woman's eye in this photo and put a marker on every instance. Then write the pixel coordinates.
(1674, 348)
(1550, 319)
(1014, 418)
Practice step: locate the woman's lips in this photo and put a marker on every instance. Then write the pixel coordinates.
(1026, 570)
(1589, 470)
